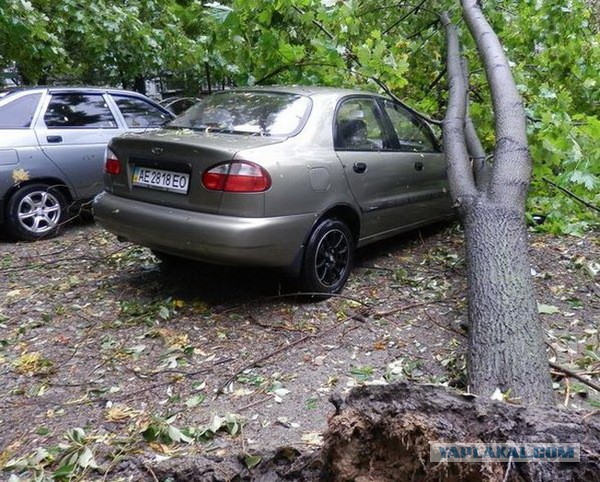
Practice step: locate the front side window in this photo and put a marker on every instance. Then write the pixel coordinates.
(18, 114)
(253, 113)
(358, 127)
(139, 113)
(79, 110)
(412, 135)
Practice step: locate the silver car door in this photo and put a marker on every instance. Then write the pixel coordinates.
(418, 149)
(73, 133)
(381, 178)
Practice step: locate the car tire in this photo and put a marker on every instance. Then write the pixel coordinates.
(35, 211)
(328, 258)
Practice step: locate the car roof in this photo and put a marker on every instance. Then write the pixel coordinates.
(308, 90)
(71, 89)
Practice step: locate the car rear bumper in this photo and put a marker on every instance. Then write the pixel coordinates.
(229, 240)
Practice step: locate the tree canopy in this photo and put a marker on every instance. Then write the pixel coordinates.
(553, 45)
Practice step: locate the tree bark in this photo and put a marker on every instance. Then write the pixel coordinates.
(139, 84)
(506, 349)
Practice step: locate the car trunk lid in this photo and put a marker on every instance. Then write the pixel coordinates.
(165, 167)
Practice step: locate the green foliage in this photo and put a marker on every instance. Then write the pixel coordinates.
(68, 461)
(162, 430)
(106, 41)
(554, 49)
(27, 40)
(556, 59)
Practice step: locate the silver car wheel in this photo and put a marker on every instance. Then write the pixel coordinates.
(39, 212)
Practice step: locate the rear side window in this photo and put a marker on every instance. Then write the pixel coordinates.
(412, 135)
(79, 110)
(139, 113)
(18, 114)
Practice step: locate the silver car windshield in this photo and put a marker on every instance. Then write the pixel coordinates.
(250, 113)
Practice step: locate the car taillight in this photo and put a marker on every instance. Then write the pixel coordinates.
(112, 165)
(236, 176)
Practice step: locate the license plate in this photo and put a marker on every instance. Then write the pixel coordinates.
(159, 179)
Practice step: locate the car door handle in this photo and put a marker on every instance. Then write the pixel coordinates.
(359, 167)
(419, 166)
(54, 139)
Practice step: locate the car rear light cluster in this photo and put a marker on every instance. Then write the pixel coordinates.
(236, 176)
(112, 165)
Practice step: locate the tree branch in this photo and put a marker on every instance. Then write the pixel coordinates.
(511, 172)
(283, 68)
(574, 196)
(404, 17)
(352, 57)
(387, 90)
(435, 81)
(460, 174)
(474, 146)
(575, 375)
(318, 24)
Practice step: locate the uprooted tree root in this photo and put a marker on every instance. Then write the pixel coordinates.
(382, 433)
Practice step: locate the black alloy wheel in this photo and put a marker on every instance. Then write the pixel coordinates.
(328, 258)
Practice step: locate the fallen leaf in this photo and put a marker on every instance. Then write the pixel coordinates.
(497, 395)
(20, 175)
(252, 461)
(547, 309)
(313, 438)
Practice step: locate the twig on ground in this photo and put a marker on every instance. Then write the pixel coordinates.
(383, 314)
(273, 327)
(150, 471)
(60, 261)
(591, 414)
(508, 468)
(567, 392)
(576, 375)
(258, 361)
(253, 404)
(279, 350)
(441, 325)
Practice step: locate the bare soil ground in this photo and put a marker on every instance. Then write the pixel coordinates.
(111, 364)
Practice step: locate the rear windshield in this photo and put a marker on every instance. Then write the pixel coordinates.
(254, 113)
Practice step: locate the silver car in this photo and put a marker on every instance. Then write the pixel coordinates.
(294, 177)
(52, 148)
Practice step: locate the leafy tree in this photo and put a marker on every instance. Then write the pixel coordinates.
(556, 59)
(107, 41)
(27, 41)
